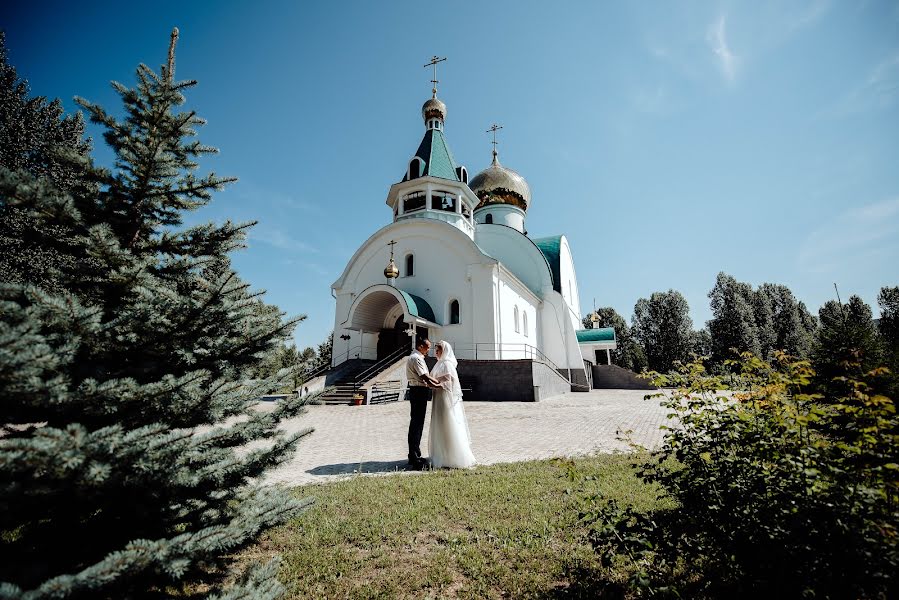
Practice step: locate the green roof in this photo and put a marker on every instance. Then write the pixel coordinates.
(439, 161)
(418, 307)
(603, 334)
(551, 249)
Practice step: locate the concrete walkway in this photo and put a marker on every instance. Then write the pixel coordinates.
(372, 439)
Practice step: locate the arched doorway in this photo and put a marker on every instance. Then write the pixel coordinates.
(393, 338)
(390, 339)
(389, 314)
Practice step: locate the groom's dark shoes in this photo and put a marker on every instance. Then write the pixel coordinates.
(419, 464)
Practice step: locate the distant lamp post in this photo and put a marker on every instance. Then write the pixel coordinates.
(346, 338)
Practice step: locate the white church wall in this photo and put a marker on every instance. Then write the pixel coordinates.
(513, 339)
(569, 284)
(442, 255)
(502, 214)
(559, 337)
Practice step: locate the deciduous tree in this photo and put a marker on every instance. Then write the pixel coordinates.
(662, 326)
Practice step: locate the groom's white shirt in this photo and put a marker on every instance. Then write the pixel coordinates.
(415, 368)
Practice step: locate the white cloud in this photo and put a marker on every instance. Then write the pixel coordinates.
(852, 236)
(653, 101)
(279, 239)
(717, 39)
(878, 91)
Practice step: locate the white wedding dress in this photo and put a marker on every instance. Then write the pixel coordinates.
(449, 441)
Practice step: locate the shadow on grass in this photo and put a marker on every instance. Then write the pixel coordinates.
(377, 466)
(586, 583)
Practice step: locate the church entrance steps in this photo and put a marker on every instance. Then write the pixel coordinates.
(613, 377)
(349, 380)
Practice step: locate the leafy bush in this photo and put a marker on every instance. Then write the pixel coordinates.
(775, 491)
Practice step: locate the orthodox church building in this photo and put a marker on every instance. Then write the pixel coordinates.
(455, 262)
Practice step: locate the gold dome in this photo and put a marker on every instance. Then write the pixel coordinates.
(390, 271)
(498, 185)
(433, 108)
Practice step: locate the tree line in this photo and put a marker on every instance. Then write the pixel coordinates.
(761, 320)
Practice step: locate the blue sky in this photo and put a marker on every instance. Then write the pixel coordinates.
(668, 141)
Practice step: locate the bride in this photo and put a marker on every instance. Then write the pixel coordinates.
(449, 441)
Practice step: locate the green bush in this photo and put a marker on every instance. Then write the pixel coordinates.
(773, 492)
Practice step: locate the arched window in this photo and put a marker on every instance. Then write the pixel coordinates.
(416, 168)
(410, 265)
(454, 312)
(524, 323)
(489, 219)
(515, 314)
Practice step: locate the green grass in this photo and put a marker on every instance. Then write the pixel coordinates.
(498, 531)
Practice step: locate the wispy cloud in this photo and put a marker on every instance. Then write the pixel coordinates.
(851, 236)
(717, 39)
(877, 91)
(274, 199)
(653, 101)
(309, 265)
(278, 238)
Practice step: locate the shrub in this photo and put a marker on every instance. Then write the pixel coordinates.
(773, 493)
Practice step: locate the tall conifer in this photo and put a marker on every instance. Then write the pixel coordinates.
(130, 449)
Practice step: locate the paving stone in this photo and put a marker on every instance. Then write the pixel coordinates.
(372, 439)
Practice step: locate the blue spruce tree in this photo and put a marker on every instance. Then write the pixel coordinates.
(130, 452)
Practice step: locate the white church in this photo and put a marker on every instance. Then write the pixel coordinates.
(455, 263)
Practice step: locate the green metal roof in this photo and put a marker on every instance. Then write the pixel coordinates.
(418, 307)
(551, 249)
(603, 334)
(439, 161)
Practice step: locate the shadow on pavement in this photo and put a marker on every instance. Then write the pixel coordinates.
(377, 466)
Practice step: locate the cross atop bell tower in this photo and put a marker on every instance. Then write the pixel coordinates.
(433, 63)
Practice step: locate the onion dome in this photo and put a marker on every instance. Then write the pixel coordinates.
(390, 271)
(498, 185)
(433, 109)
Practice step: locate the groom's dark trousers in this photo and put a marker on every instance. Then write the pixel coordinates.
(418, 403)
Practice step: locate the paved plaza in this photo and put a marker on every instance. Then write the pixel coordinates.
(372, 439)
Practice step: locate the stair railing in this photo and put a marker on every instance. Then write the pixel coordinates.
(378, 367)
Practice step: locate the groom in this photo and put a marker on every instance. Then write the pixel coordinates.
(419, 394)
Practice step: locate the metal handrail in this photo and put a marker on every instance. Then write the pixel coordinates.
(528, 350)
(379, 366)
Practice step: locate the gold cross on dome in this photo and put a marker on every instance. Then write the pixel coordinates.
(433, 63)
(493, 129)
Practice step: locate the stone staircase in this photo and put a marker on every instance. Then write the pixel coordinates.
(350, 377)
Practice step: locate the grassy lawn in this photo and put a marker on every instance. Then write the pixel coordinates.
(497, 531)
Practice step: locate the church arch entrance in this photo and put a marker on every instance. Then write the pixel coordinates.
(389, 314)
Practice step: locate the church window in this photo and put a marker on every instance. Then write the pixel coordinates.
(462, 174)
(515, 314)
(410, 265)
(416, 168)
(414, 201)
(489, 219)
(454, 312)
(524, 323)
